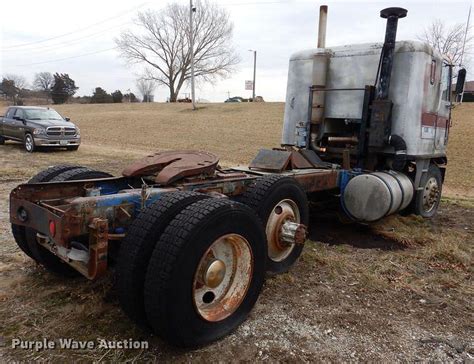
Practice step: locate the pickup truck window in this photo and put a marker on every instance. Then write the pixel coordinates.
(19, 113)
(10, 112)
(42, 114)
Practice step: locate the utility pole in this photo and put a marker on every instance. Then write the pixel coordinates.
(192, 9)
(254, 72)
(463, 47)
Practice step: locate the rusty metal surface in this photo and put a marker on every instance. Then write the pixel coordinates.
(298, 161)
(168, 167)
(318, 181)
(98, 243)
(271, 160)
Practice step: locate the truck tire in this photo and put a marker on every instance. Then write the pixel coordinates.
(137, 247)
(18, 231)
(51, 172)
(427, 200)
(2, 140)
(212, 253)
(269, 196)
(43, 256)
(79, 174)
(74, 148)
(29, 143)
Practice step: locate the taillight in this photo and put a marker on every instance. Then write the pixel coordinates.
(52, 228)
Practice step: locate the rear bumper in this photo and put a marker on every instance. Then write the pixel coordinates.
(45, 142)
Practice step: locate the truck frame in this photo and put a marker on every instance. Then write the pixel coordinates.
(190, 242)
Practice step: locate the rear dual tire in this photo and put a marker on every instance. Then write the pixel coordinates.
(184, 258)
(182, 302)
(137, 248)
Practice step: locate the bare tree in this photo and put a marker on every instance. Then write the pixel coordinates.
(18, 80)
(146, 88)
(44, 82)
(12, 86)
(449, 41)
(163, 45)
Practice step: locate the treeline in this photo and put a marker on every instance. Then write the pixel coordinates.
(57, 88)
(100, 96)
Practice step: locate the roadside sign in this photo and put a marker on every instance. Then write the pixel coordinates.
(249, 85)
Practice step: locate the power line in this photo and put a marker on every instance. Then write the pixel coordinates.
(258, 3)
(64, 59)
(77, 30)
(71, 42)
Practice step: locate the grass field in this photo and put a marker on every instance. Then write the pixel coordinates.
(399, 290)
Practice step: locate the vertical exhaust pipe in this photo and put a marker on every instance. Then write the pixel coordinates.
(323, 19)
(386, 61)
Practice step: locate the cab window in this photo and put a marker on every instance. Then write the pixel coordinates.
(446, 83)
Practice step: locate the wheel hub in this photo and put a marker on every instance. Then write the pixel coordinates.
(430, 194)
(215, 273)
(223, 277)
(293, 233)
(284, 230)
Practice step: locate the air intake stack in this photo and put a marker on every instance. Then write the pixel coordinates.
(386, 62)
(380, 134)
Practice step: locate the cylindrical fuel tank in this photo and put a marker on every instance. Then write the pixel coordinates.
(371, 196)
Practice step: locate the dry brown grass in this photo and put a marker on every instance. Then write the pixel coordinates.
(234, 132)
(460, 172)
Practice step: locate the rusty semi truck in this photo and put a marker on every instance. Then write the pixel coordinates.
(190, 242)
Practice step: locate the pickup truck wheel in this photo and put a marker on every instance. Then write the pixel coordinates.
(205, 273)
(29, 143)
(18, 231)
(282, 206)
(42, 255)
(138, 245)
(2, 140)
(76, 147)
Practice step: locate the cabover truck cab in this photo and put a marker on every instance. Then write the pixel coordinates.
(190, 242)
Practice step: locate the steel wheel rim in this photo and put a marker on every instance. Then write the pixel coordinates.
(28, 143)
(285, 210)
(430, 194)
(218, 292)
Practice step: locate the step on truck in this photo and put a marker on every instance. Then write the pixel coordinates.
(190, 242)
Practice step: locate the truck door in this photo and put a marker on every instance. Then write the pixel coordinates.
(444, 112)
(8, 123)
(18, 126)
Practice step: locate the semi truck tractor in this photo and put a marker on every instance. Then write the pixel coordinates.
(190, 242)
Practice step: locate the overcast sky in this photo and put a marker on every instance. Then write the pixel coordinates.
(77, 37)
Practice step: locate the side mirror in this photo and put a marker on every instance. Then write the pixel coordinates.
(460, 81)
(67, 119)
